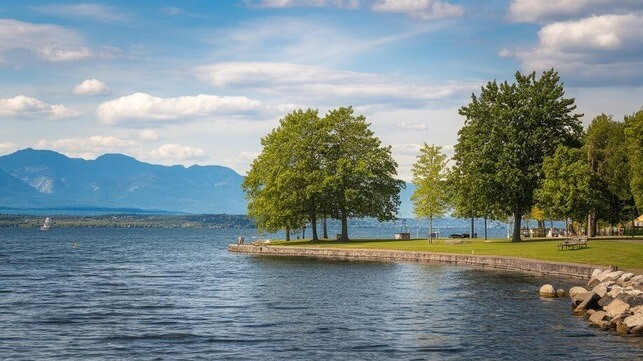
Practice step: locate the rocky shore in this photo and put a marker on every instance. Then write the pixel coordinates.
(613, 301)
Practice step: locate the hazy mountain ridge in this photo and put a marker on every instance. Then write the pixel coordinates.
(44, 178)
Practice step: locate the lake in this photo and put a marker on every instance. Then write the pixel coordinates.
(80, 293)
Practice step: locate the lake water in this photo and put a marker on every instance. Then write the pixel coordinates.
(178, 294)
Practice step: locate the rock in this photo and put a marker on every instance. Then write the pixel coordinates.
(638, 330)
(637, 309)
(615, 291)
(591, 312)
(547, 291)
(600, 289)
(593, 282)
(635, 320)
(621, 327)
(596, 272)
(560, 293)
(605, 300)
(636, 300)
(579, 298)
(590, 303)
(576, 290)
(617, 308)
(598, 316)
(610, 276)
(625, 277)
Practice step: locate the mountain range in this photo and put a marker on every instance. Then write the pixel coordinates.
(45, 179)
(35, 180)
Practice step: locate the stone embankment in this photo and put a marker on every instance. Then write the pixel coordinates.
(613, 301)
(506, 263)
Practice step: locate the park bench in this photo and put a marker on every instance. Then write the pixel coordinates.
(573, 243)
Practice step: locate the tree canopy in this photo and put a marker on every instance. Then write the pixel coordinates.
(634, 138)
(311, 167)
(509, 130)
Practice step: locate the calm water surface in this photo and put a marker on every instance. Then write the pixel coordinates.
(178, 294)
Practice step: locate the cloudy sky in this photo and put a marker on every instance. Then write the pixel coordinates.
(200, 82)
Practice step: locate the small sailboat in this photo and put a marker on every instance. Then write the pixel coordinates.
(46, 225)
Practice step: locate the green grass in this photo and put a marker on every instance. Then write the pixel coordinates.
(623, 253)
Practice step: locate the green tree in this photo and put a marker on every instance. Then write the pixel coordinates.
(360, 173)
(607, 157)
(429, 178)
(634, 138)
(282, 186)
(567, 190)
(512, 128)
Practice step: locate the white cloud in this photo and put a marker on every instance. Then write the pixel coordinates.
(544, 11)
(6, 148)
(172, 11)
(306, 83)
(50, 43)
(423, 9)
(605, 48)
(143, 108)
(91, 87)
(178, 153)
(90, 147)
(23, 106)
(148, 134)
(346, 4)
(96, 12)
(412, 126)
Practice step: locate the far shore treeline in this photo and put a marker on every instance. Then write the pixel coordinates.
(522, 152)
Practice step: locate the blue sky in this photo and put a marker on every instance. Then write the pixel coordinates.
(200, 82)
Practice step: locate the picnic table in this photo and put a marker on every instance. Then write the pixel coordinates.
(573, 243)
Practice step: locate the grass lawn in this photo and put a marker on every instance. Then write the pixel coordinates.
(624, 253)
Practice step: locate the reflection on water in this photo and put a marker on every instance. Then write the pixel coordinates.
(162, 293)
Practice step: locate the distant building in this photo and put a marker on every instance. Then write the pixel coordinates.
(639, 221)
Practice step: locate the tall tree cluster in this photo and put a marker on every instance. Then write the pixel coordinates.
(312, 167)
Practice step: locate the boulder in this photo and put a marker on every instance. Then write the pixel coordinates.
(617, 308)
(625, 277)
(560, 293)
(596, 272)
(610, 276)
(636, 300)
(576, 290)
(636, 320)
(579, 298)
(598, 317)
(547, 291)
(593, 282)
(590, 303)
(637, 309)
(621, 327)
(638, 330)
(600, 289)
(605, 300)
(615, 291)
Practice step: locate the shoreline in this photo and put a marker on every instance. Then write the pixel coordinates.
(574, 270)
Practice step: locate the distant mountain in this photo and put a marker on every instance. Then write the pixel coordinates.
(41, 178)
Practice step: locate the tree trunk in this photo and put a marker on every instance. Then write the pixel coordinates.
(344, 236)
(517, 220)
(325, 230)
(313, 222)
(287, 234)
(430, 230)
(303, 232)
(485, 228)
(472, 228)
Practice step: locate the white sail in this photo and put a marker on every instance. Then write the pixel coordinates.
(46, 225)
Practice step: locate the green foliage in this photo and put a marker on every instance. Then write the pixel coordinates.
(309, 167)
(634, 138)
(509, 130)
(429, 178)
(360, 173)
(282, 185)
(566, 191)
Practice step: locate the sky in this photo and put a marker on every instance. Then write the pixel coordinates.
(201, 82)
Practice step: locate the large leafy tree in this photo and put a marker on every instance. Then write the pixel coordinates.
(429, 178)
(634, 137)
(360, 177)
(283, 185)
(512, 128)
